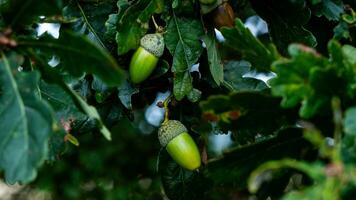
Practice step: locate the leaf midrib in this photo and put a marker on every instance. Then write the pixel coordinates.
(21, 105)
(181, 41)
(67, 48)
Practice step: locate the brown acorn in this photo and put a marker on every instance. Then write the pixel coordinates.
(223, 15)
(219, 12)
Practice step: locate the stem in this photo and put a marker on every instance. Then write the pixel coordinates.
(155, 23)
(337, 117)
(166, 109)
(159, 29)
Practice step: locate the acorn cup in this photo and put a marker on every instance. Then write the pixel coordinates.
(179, 144)
(146, 57)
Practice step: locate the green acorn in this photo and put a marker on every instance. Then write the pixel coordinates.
(179, 144)
(146, 57)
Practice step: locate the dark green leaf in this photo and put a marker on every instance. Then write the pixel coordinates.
(89, 18)
(26, 121)
(90, 111)
(194, 95)
(126, 91)
(348, 148)
(284, 27)
(62, 103)
(247, 114)
(75, 60)
(181, 184)
(161, 69)
(102, 91)
(66, 113)
(113, 20)
(331, 9)
(52, 76)
(134, 23)
(341, 31)
(234, 167)
(17, 13)
(215, 64)
(350, 121)
(241, 39)
(182, 85)
(234, 76)
(182, 41)
(315, 171)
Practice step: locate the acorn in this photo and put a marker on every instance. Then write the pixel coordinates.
(179, 144)
(219, 12)
(223, 15)
(146, 57)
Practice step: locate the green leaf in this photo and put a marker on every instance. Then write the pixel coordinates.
(304, 78)
(52, 76)
(350, 121)
(134, 23)
(126, 91)
(312, 192)
(181, 184)
(194, 95)
(312, 80)
(349, 53)
(65, 112)
(102, 91)
(61, 102)
(89, 18)
(345, 27)
(90, 111)
(234, 77)
(348, 148)
(17, 13)
(113, 20)
(182, 85)
(315, 171)
(26, 121)
(233, 168)
(341, 31)
(56, 145)
(215, 64)
(75, 60)
(182, 41)
(245, 117)
(251, 49)
(283, 26)
(161, 69)
(331, 9)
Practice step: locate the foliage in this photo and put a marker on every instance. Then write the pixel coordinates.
(73, 123)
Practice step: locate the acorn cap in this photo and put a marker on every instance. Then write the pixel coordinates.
(153, 43)
(170, 130)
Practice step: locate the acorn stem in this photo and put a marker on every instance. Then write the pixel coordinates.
(166, 109)
(154, 22)
(159, 29)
